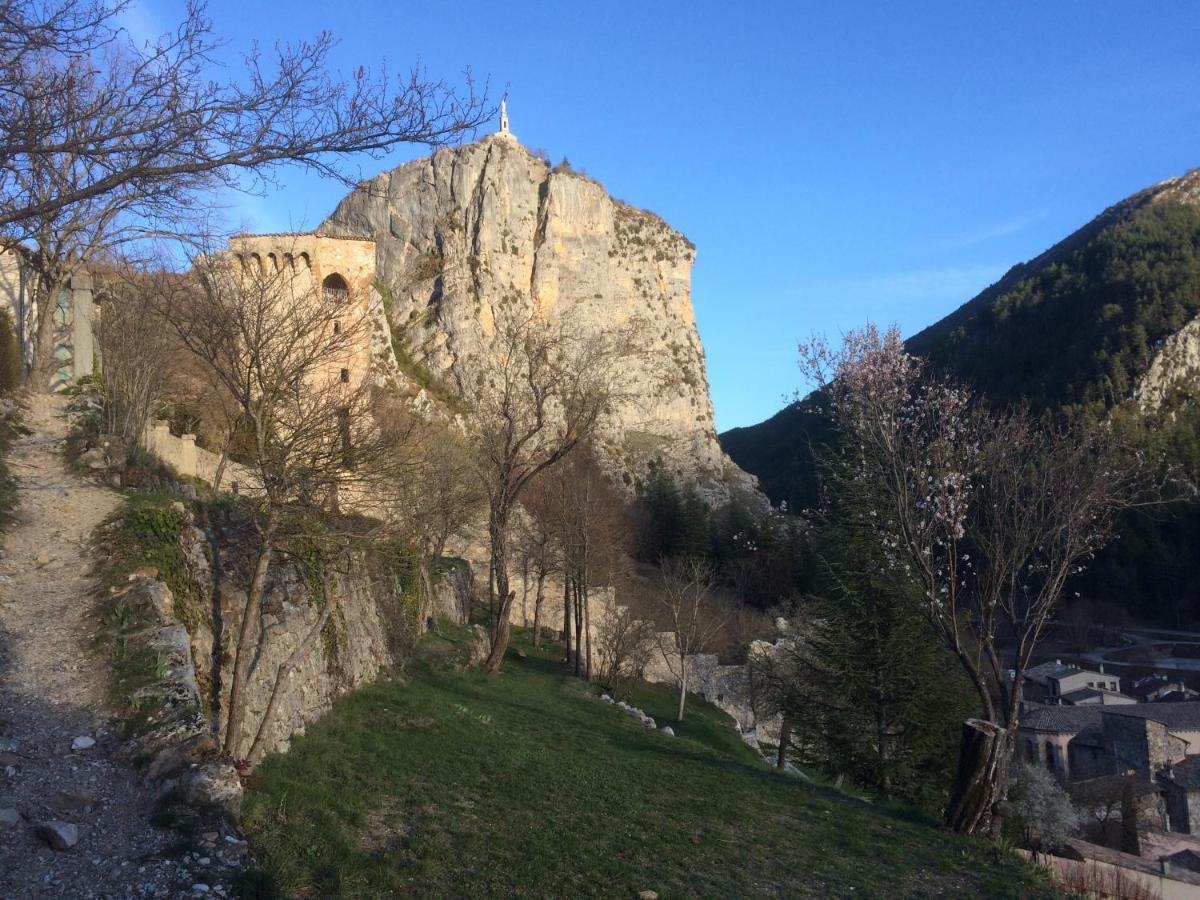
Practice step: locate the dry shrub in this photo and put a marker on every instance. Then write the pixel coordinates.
(625, 644)
(1089, 879)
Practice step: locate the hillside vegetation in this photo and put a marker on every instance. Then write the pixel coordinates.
(456, 784)
(1069, 333)
(1078, 332)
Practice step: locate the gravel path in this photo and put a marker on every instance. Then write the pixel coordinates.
(52, 692)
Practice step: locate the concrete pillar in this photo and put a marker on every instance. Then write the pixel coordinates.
(160, 433)
(83, 343)
(187, 454)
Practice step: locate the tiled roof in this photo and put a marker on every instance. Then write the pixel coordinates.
(1062, 718)
(1047, 670)
(1087, 693)
(1176, 716)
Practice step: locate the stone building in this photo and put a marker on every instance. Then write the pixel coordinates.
(1149, 752)
(1079, 742)
(1056, 682)
(342, 269)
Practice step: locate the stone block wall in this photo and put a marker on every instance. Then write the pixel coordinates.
(181, 454)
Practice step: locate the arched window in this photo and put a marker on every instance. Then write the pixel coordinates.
(335, 289)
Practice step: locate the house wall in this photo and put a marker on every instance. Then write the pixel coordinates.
(1083, 679)
(1049, 749)
(1088, 761)
(1139, 744)
(1180, 814)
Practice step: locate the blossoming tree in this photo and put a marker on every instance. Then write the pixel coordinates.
(991, 510)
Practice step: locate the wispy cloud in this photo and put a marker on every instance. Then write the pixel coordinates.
(931, 285)
(990, 232)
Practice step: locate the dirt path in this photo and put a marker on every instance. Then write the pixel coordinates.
(52, 691)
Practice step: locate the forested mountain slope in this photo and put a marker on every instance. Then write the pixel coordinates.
(1095, 326)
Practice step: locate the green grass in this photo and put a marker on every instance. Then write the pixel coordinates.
(144, 531)
(456, 784)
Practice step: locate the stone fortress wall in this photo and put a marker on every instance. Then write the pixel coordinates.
(726, 686)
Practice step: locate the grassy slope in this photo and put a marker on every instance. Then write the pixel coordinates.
(526, 785)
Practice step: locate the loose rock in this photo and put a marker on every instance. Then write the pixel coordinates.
(9, 818)
(83, 742)
(59, 835)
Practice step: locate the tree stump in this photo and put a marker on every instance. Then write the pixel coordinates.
(978, 785)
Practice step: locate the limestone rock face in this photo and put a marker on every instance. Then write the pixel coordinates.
(479, 232)
(1174, 369)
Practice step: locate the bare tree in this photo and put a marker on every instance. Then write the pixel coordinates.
(693, 619)
(104, 140)
(543, 394)
(136, 347)
(589, 530)
(538, 547)
(990, 511)
(279, 347)
(440, 496)
(625, 644)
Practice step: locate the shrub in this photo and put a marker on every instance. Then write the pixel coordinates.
(10, 354)
(1042, 808)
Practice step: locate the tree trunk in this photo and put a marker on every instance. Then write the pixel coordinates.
(498, 534)
(683, 674)
(981, 780)
(567, 616)
(247, 637)
(781, 754)
(293, 662)
(41, 372)
(587, 628)
(524, 590)
(500, 635)
(578, 628)
(537, 609)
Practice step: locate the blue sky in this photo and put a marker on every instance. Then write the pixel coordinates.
(833, 163)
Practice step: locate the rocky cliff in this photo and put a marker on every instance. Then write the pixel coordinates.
(477, 232)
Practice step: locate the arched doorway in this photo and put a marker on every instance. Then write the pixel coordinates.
(335, 289)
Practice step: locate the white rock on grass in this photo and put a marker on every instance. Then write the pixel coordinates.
(668, 731)
(606, 698)
(648, 722)
(59, 835)
(83, 742)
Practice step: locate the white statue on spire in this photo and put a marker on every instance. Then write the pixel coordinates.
(504, 114)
